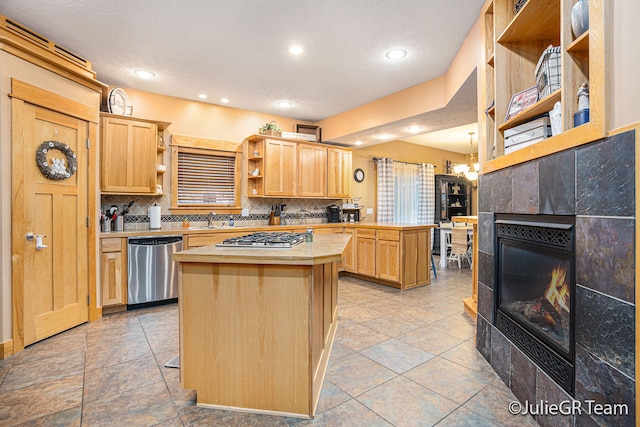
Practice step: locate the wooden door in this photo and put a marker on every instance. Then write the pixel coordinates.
(366, 256)
(388, 260)
(312, 171)
(339, 173)
(280, 169)
(128, 161)
(50, 284)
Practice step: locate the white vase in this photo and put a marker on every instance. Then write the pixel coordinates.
(580, 17)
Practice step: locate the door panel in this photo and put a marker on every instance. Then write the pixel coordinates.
(55, 278)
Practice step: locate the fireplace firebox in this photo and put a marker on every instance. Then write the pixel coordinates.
(535, 286)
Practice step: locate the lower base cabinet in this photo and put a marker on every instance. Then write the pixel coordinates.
(399, 258)
(113, 270)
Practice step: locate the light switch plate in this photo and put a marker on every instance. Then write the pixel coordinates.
(245, 211)
(369, 211)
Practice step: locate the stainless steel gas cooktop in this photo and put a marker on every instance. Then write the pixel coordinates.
(264, 240)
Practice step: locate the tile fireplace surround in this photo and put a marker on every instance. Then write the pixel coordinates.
(594, 182)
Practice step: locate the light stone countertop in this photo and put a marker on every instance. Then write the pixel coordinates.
(175, 228)
(324, 248)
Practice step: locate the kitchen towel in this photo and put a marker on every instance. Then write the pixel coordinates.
(154, 217)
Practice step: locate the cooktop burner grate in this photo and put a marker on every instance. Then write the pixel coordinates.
(265, 240)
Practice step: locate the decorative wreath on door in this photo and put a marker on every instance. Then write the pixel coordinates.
(57, 169)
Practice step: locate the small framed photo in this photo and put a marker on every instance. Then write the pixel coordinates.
(521, 101)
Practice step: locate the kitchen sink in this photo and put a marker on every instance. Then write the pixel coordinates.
(216, 227)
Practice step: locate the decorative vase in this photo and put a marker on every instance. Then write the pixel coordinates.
(580, 17)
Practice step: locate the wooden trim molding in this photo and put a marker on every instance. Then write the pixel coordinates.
(6, 349)
(26, 44)
(52, 101)
(210, 144)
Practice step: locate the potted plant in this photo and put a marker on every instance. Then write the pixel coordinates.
(271, 129)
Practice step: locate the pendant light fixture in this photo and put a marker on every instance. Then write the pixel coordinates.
(470, 172)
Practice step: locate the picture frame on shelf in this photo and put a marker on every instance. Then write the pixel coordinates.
(521, 101)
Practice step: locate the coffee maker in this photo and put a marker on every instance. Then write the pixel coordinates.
(334, 213)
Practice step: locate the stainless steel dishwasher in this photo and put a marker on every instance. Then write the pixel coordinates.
(153, 275)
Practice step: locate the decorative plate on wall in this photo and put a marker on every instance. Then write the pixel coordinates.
(118, 101)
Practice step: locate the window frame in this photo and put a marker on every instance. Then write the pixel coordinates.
(210, 147)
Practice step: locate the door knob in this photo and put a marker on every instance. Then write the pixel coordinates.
(39, 245)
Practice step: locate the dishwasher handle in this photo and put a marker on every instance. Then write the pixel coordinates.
(154, 241)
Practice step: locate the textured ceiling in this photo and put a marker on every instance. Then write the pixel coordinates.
(239, 49)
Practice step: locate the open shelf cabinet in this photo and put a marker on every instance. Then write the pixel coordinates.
(514, 43)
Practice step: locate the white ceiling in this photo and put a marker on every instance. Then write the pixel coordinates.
(238, 49)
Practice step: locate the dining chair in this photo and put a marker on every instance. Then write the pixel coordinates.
(459, 246)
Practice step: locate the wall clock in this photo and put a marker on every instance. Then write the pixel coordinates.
(358, 175)
(118, 101)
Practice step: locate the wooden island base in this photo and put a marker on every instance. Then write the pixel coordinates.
(257, 337)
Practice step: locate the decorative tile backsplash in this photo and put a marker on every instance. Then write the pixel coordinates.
(259, 209)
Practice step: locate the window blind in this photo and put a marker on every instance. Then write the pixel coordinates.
(206, 179)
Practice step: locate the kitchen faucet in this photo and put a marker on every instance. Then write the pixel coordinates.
(210, 219)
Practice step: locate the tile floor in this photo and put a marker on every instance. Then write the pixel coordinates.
(399, 359)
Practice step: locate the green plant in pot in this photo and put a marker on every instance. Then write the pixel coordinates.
(270, 128)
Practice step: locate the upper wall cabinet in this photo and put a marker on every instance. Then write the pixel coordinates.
(514, 44)
(339, 173)
(280, 167)
(131, 151)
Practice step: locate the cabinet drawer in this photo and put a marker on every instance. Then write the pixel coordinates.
(366, 232)
(393, 235)
(112, 245)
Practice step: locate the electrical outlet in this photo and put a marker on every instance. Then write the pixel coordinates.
(245, 211)
(369, 211)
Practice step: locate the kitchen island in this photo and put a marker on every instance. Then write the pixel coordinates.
(257, 325)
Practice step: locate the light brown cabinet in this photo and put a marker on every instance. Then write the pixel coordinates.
(366, 252)
(278, 167)
(113, 271)
(129, 155)
(312, 171)
(388, 255)
(338, 173)
(399, 258)
(348, 262)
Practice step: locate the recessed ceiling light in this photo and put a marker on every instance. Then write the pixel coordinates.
(414, 129)
(144, 74)
(224, 100)
(284, 104)
(357, 142)
(396, 54)
(296, 49)
(202, 96)
(385, 136)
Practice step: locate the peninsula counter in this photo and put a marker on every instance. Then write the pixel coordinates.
(257, 325)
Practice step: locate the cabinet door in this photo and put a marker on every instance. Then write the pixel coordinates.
(388, 260)
(128, 157)
(348, 262)
(113, 270)
(312, 171)
(416, 262)
(366, 256)
(281, 168)
(338, 173)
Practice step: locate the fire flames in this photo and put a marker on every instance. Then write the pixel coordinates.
(558, 290)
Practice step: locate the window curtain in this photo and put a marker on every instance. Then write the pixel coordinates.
(406, 193)
(427, 194)
(385, 199)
